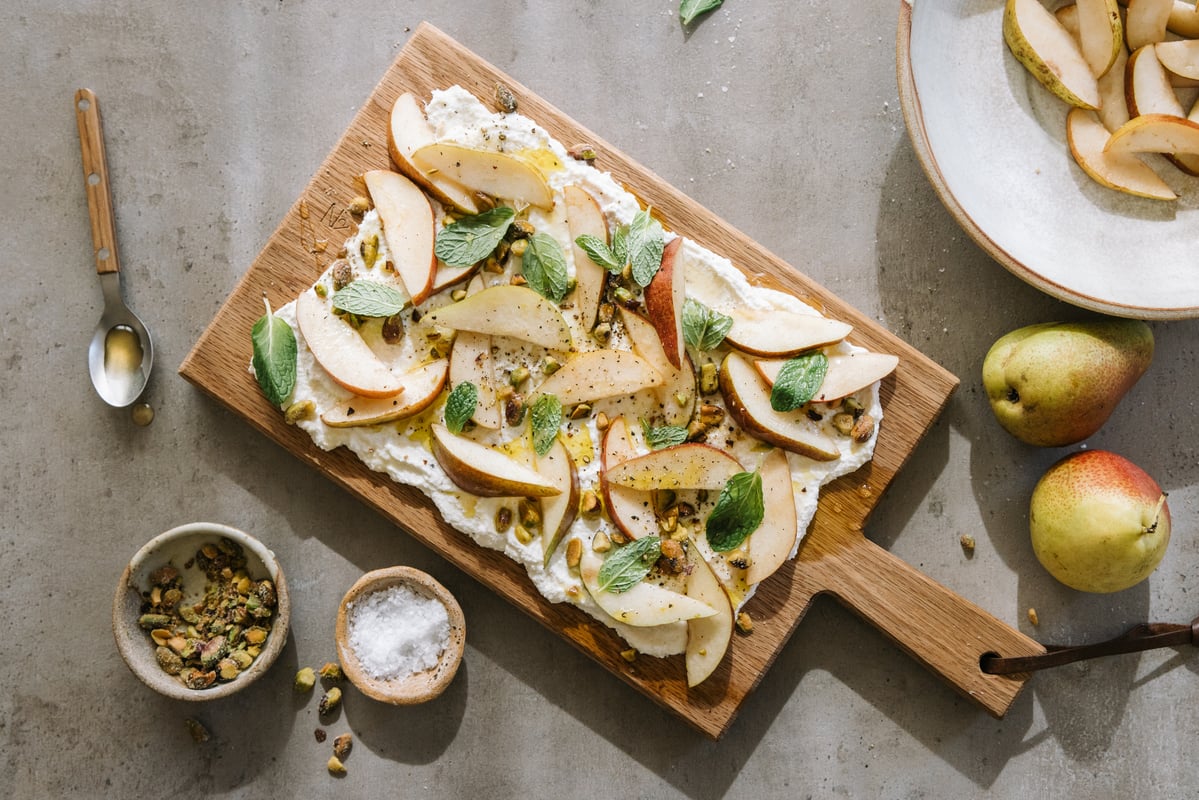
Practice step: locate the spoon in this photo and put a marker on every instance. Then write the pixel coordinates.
(121, 353)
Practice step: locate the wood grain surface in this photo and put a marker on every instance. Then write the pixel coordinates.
(937, 627)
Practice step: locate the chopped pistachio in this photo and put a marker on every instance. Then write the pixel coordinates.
(550, 365)
(709, 379)
(574, 553)
(503, 519)
(518, 377)
(601, 542)
(967, 542)
(370, 250)
(458, 295)
(505, 99)
(331, 671)
(629, 655)
(602, 332)
(197, 730)
(359, 206)
(843, 423)
(305, 680)
(299, 411)
(863, 429)
(523, 534)
(342, 745)
(589, 503)
(583, 152)
(518, 248)
(335, 766)
(1033, 617)
(330, 700)
(745, 622)
(601, 421)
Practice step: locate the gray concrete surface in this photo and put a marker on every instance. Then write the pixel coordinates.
(783, 117)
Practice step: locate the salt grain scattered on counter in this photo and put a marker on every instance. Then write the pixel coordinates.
(397, 632)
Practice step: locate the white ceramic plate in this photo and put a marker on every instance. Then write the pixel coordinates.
(993, 142)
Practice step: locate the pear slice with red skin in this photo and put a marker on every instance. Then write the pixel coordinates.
(847, 372)
(769, 546)
(780, 334)
(471, 362)
(664, 299)
(598, 374)
(645, 604)
(747, 398)
(630, 510)
(408, 131)
(584, 216)
(707, 637)
(1124, 172)
(341, 351)
(496, 174)
(692, 465)
(558, 511)
(408, 227)
(485, 471)
(422, 385)
(507, 310)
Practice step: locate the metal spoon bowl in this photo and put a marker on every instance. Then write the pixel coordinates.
(121, 353)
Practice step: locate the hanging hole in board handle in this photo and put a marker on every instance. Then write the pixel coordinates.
(93, 179)
(85, 104)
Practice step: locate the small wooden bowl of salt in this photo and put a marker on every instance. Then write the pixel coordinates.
(400, 636)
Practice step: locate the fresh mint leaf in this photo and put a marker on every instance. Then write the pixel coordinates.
(600, 253)
(460, 406)
(620, 245)
(274, 358)
(798, 381)
(544, 266)
(625, 568)
(546, 418)
(690, 10)
(738, 512)
(704, 328)
(365, 298)
(663, 436)
(645, 244)
(471, 239)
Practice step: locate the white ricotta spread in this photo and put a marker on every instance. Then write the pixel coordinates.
(401, 449)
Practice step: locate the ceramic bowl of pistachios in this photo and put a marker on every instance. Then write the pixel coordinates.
(201, 611)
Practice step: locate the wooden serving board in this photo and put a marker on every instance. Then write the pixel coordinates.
(938, 628)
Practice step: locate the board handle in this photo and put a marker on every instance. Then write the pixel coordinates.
(938, 628)
(95, 176)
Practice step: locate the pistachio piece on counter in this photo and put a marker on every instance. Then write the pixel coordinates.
(329, 701)
(305, 680)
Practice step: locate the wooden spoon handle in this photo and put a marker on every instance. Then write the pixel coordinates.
(943, 631)
(95, 175)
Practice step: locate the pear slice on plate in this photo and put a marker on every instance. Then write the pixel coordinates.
(1124, 172)
(1049, 52)
(707, 637)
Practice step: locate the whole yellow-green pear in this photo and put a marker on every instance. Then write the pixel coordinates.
(1098, 522)
(1056, 383)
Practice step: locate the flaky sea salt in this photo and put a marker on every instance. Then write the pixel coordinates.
(397, 632)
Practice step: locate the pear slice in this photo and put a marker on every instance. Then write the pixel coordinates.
(1122, 171)
(487, 171)
(341, 351)
(422, 385)
(558, 511)
(1100, 33)
(847, 373)
(1046, 49)
(1146, 21)
(1184, 19)
(1180, 57)
(507, 310)
(485, 471)
(642, 606)
(598, 374)
(408, 131)
(692, 465)
(408, 228)
(707, 637)
(630, 511)
(447, 276)
(772, 542)
(1155, 133)
(779, 334)
(664, 299)
(677, 394)
(1147, 85)
(747, 398)
(583, 216)
(471, 362)
(1113, 109)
